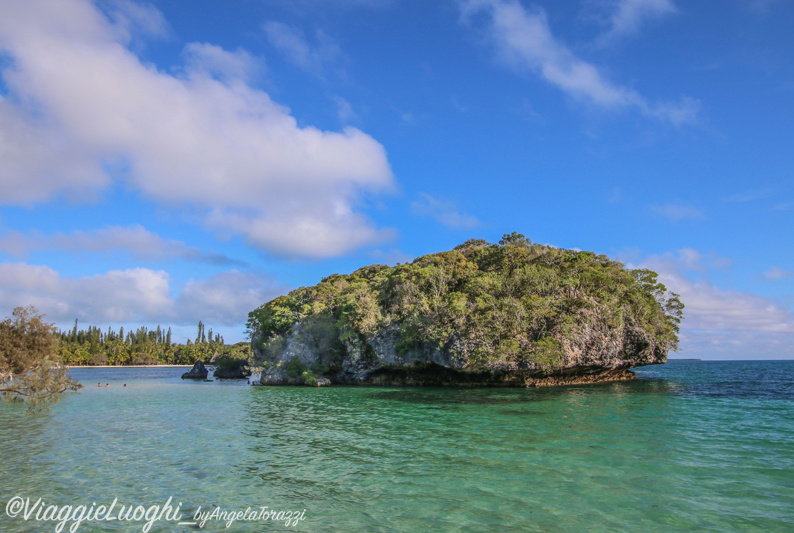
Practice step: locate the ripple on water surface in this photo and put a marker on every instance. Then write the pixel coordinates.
(688, 446)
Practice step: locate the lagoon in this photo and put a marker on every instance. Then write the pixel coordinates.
(690, 445)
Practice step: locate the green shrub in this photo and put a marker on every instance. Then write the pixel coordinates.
(273, 347)
(227, 362)
(295, 367)
(319, 368)
(548, 353)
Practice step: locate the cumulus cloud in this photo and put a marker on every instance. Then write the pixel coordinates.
(225, 298)
(136, 240)
(736, 345)
(722, 322)
(137, 295)
(444, 211)
(331, 228)
(117, 296)
(676, 212)
(524, 41)
(712, 308)
(38, 162)
(79, 99)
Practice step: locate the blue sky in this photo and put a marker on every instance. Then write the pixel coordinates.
(170, 162)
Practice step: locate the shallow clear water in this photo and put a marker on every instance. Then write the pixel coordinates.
(703, 446)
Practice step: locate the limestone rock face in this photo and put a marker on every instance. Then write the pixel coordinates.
(197, 372)
(592, 351)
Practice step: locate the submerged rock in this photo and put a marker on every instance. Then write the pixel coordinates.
(197, 372)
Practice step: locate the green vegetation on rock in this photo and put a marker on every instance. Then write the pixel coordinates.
(512, 305)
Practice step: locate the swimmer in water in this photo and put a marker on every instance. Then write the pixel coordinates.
(98, 385)
(107, 384)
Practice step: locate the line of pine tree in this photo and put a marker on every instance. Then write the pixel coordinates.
(94, 335)
(92, 345)
(201, 337)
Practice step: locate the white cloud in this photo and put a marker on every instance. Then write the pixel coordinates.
(711, 308)
(211, 60)
(736, 345)
(629, 15)
(676, 212)
(524, 41)
(314, 59)
(721, 322)
(327, 227)
(38, 162)
(748, 196)
(79, 99)
(444, 211)
(132, 18)
(117, 296)
(408, 118)
(345, 111)
(776, 273)
(142, 244)
(137, 296)
(333, 6)
(226, 298)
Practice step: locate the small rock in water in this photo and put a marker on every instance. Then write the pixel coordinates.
(197, 372)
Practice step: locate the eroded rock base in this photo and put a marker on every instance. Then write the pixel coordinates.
(580, 379)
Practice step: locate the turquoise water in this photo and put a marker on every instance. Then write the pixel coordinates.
(689, 446)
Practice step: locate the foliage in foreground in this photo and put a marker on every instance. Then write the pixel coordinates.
(507, 302)
(30, 370)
